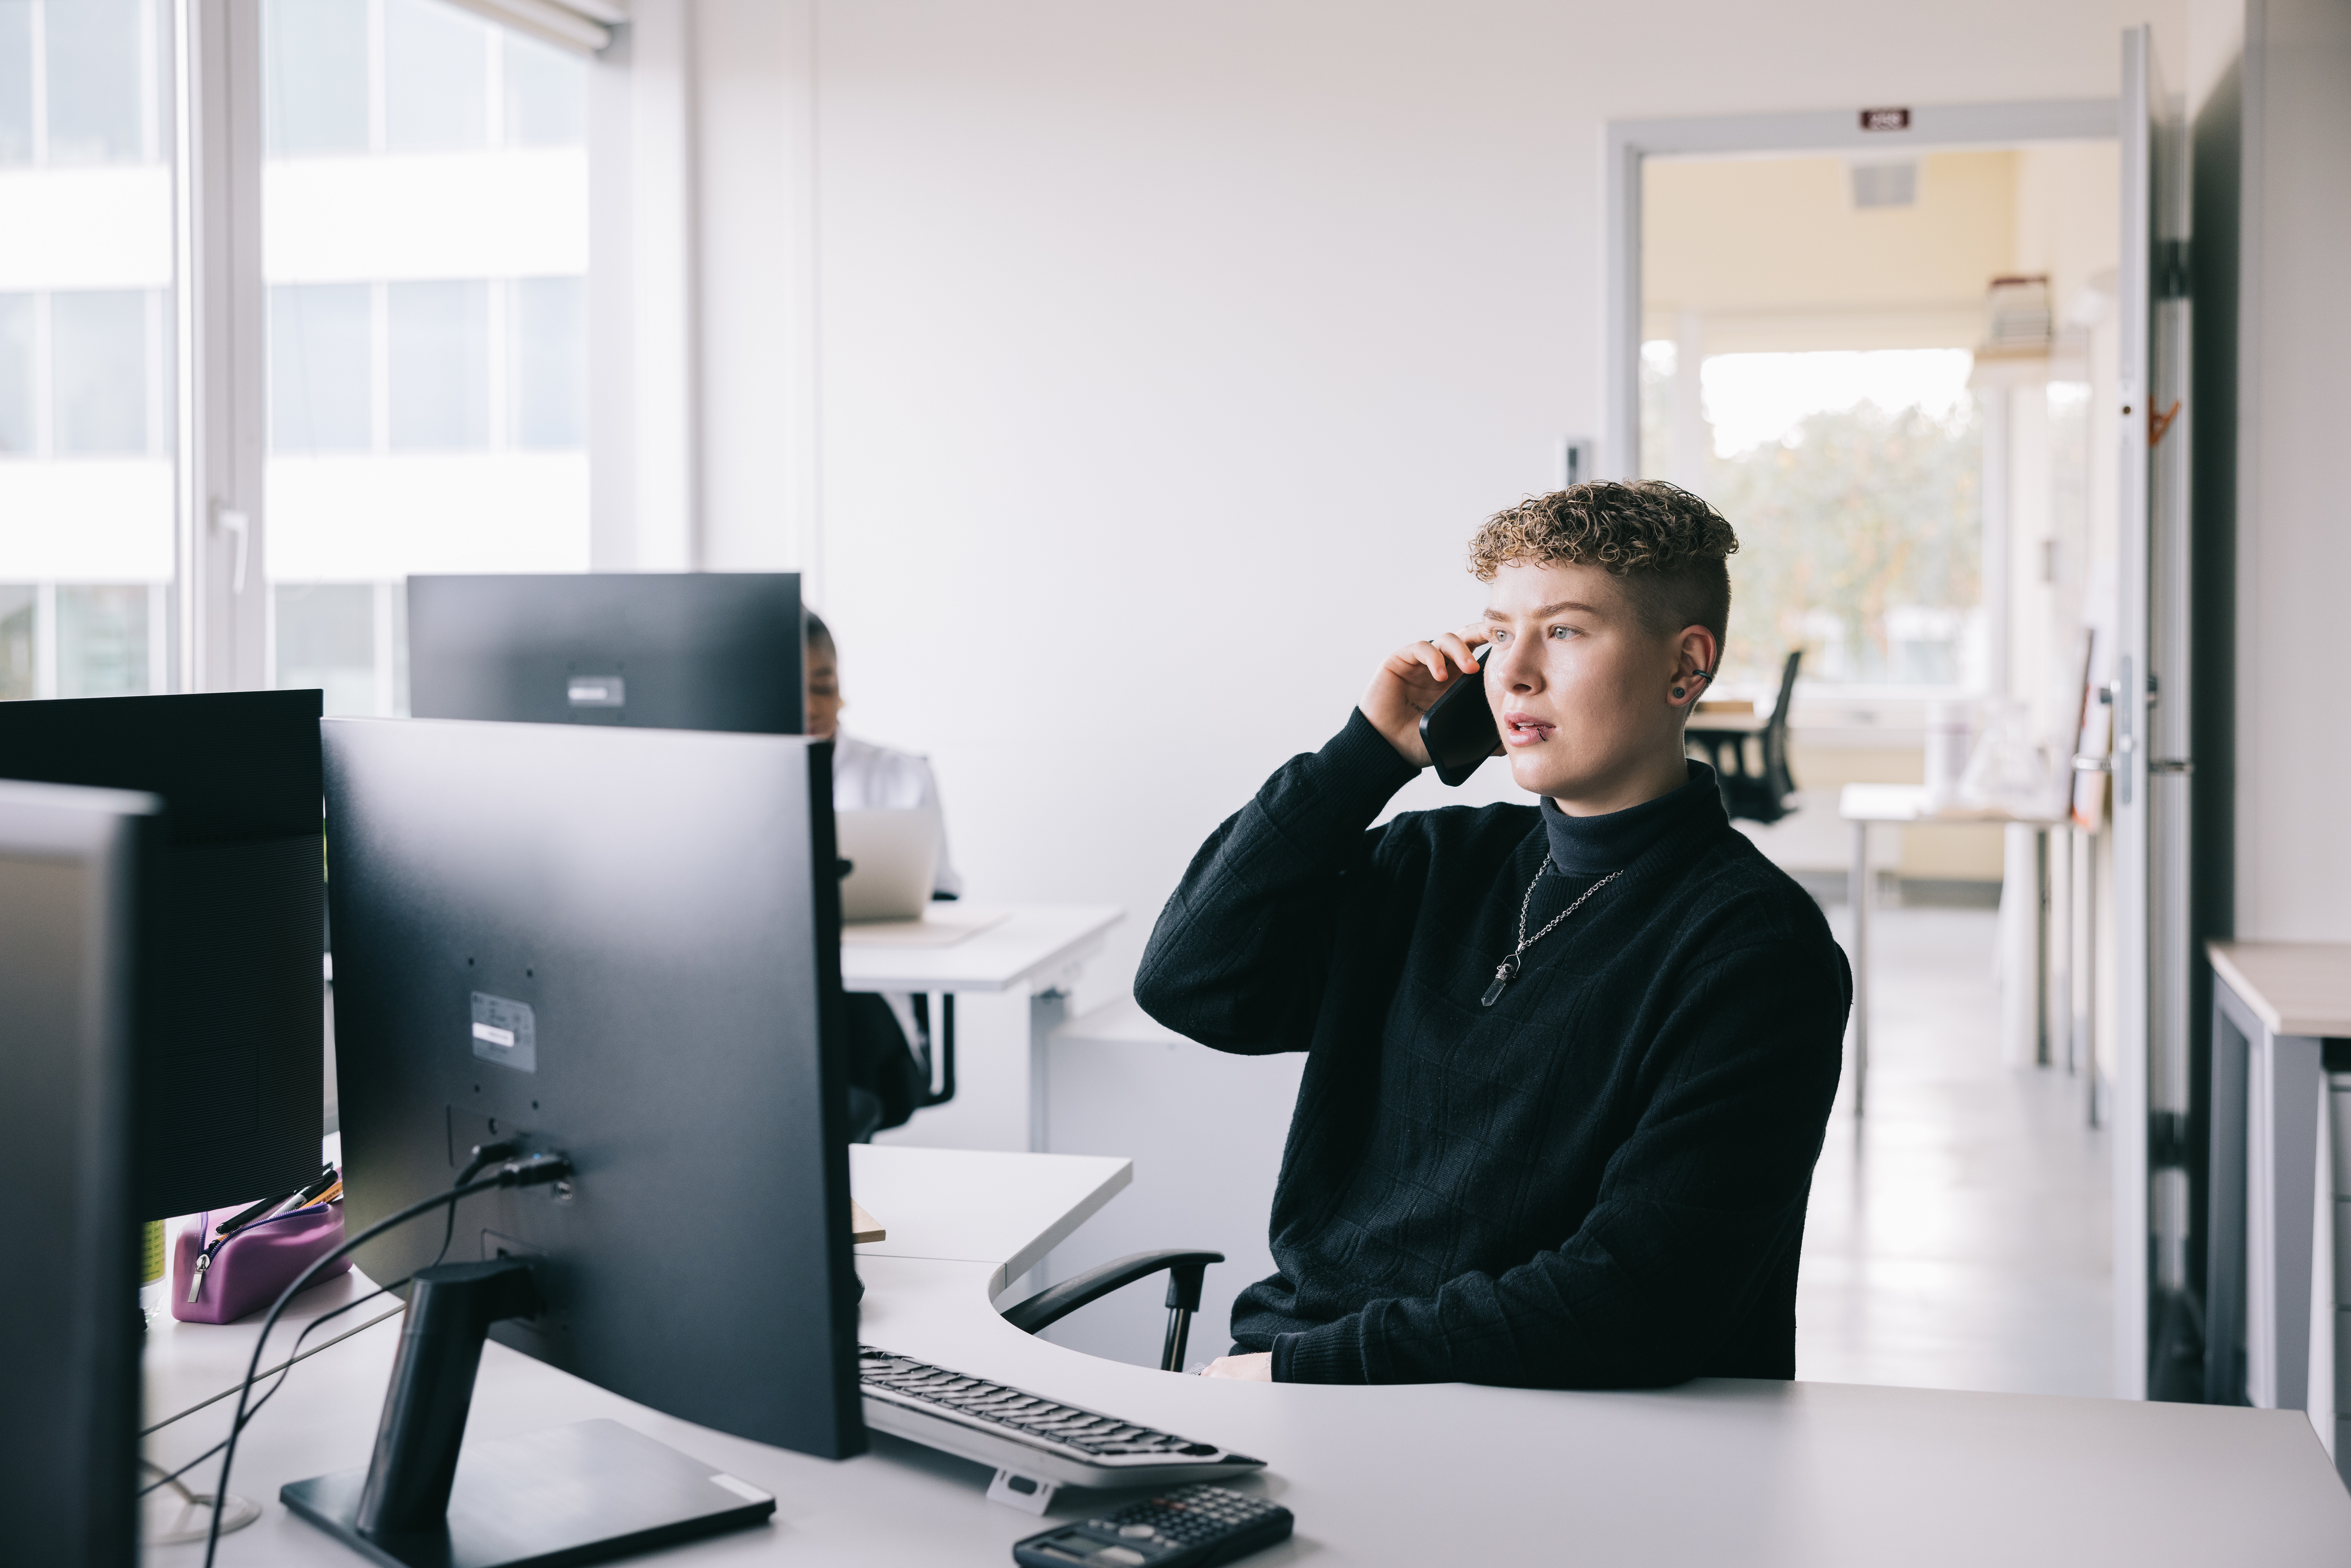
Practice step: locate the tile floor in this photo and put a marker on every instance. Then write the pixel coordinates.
(1959, 1237)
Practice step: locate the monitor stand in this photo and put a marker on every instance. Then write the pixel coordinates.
(573, 1494)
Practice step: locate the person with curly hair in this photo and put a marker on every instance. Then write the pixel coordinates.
(1569, 1065)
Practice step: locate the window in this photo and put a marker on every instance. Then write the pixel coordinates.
(86, 437)
(1854, 479)
(425, 244)
(551, 359)
(439, 339)
(320, 367)
(99, 372)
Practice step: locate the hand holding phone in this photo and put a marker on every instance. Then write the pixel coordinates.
(1459, 727)
(1412, 678)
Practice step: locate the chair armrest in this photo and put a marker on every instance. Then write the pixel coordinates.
(1050, 1305)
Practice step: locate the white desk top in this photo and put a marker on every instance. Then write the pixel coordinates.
(1908, 803)
(2294, 988)
(1806, 1475)
(1033, 943)
(969, 1206)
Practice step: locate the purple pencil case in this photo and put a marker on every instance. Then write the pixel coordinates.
(248, 1270)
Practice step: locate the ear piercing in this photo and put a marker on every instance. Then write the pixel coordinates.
(1678, 690)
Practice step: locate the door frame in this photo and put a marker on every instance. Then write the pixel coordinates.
(1631, 142)
(1629, 145)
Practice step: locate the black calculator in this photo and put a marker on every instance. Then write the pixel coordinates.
(1189, 1528)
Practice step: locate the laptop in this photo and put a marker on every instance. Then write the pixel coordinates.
(893, 861)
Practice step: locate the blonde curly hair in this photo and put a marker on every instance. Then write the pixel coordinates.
(1667, 546)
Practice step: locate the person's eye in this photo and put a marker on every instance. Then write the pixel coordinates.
(1564, 633)
(1497, 636)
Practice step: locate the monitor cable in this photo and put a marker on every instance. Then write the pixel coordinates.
(530, 1170)
(240, 1512)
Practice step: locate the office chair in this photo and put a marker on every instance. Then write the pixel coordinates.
(1185, 1272)
(1758, 796)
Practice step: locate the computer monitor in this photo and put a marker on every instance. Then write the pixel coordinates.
(645, 650)
(621, 948)
(231, 1053)
(69, 878)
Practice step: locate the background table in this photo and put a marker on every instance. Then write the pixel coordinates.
(1864, 804)
(2273, 1005)
(1037, 948)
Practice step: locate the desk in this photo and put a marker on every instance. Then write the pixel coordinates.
(1038, 948)
(1862, 805)
(1805, 1475)
(2274, 1003)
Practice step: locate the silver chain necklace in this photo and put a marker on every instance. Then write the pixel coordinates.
(1507, 970)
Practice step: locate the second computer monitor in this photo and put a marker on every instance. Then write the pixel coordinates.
(643, 650)
(69, 886)
(229, 1088)
(622, 947)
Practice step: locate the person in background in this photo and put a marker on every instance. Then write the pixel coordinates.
(887, 1075)
(866, 777)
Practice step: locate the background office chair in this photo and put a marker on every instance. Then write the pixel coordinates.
(1185, 1272)
(1757, 796)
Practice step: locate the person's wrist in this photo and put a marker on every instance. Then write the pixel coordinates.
(1403, 739)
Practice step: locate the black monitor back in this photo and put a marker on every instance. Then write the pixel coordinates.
(69, 1317)
(644, 650)
(623, 947)
(231, 1051)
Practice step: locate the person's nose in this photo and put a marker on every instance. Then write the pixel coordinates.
(1515, 669)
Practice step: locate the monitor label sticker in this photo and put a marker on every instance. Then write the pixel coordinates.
(597, 691)
(504, 1032)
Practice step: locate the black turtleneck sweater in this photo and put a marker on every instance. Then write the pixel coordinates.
(1597, 1182)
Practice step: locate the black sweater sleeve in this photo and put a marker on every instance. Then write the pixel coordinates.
(1695, 1209)
(1250, 978)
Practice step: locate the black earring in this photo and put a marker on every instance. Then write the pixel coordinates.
(1678, 690)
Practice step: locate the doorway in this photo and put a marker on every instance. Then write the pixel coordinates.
(1878, 352)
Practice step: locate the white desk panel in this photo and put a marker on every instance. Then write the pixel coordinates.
(1036, 942)
(979, 1207)
(1804, 1475)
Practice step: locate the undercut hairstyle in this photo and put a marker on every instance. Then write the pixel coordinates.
(1666, 545)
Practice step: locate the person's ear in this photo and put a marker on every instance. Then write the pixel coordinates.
(1694, 662)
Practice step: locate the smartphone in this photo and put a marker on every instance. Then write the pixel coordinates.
(1459, 727)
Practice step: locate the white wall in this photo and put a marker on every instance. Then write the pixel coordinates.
(1170, 354)
(1127, 380)
(2294, 523)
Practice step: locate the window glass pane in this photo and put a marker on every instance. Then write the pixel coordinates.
(16, 82)
(97, 355)
(16, 432)
(550, 358)
(20, 605)
(102, 642)
(1855, 480)
(427, 399)
(326, 638)
(435, 77)
(86, 401)
(315, 75)
(318, 369)
(93, 50)
(440, 362)
(547, 94)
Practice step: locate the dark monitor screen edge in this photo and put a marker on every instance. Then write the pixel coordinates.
(719, 651)
(230, 1086)
(69, 883)
(616, 946)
